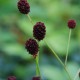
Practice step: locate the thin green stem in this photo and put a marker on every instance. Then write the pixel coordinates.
(30, 19)
(37, 65)
(58, 59)
(68, 47)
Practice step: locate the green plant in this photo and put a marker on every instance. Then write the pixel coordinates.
(37, 36)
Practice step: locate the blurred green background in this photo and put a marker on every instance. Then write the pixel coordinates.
(15, 29)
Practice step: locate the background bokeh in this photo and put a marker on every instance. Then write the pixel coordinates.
(15, 29)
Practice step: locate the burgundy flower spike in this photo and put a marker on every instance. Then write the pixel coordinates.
(23, 6)
(31, 46)
(71, 24)
(12, 78)
(39, 31)
(36, 78)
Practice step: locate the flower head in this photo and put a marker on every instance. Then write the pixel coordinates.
(36, 78)
(72, 24)
(39, 31)
(11, 78)
(23, 6)
(31, 46)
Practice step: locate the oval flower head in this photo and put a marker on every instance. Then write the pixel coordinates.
(39, 31)
(11, 78)
(71, 24)
(23, 6)
(36, 78)
(32, 47)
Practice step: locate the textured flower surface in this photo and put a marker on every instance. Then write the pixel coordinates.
(39, 31)
(12, 78)
(36, 78)
(72, 24)
(31, 46)
(23, 6)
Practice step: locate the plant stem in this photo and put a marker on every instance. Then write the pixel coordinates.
(58, 59)
(37, 65)
(68, 47)
(30, 19)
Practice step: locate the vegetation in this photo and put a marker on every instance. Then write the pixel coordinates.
(15, 29)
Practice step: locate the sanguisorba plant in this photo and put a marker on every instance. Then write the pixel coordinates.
(71, 25)
(39, 32)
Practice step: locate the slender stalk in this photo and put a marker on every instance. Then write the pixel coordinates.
(68, 47)
(37, 65)
(30, 19)
(58, 59)
(77, 75)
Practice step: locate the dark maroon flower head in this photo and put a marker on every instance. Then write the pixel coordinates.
(71, 24)
(31, 46)
(12, 78)
(36, 78)
(23, 6)
(39, 31)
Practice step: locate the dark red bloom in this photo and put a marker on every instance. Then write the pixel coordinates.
(23, 6)
(12, 78)
(31, 46)
(39, 31)
(36, 78)
(72, 24)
